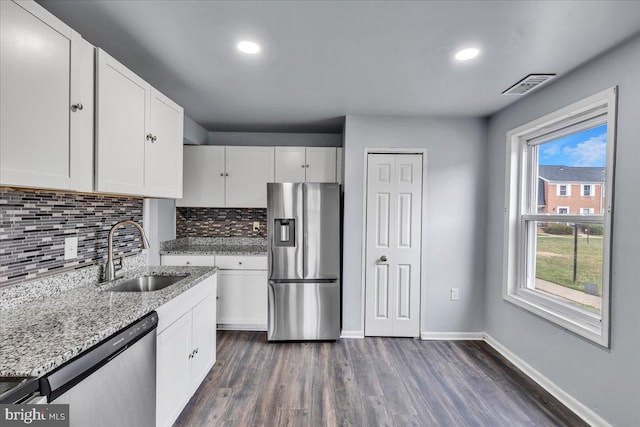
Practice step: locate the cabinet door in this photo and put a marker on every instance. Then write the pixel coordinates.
(173, 370)
(290, 164)
(163, 152)
(248, 169)
(122, 111)
(204, 339)
(203, 177)
(321, 162)
(38, 69)
(242, 302)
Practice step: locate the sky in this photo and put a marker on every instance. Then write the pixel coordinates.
(586, 148)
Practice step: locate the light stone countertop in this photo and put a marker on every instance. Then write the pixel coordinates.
(40, 335)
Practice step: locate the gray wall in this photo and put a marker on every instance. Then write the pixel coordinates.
(276, 138)
(454, 230)
(159, 224)
(607, 381)
(194, 134)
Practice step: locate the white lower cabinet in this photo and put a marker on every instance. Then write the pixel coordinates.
(242, 300)
(242, 288)
(186, 348)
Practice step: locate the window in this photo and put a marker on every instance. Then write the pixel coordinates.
(557, 262)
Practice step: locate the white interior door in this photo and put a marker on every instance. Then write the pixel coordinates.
(393, 234)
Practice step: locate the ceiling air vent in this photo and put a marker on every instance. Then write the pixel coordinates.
(529, 83)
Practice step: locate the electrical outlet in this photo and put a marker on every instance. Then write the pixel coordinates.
(455, 294)
(256, 225)
(70, 248)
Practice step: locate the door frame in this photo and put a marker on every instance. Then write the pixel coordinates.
(423, 224)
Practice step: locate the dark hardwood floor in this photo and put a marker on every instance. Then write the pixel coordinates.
(367, 382)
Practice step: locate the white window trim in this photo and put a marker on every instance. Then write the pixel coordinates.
(581, 322)
(593, 188)
(591, 211)
(568, 190)
(563, 207)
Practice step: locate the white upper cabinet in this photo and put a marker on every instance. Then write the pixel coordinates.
(139, 135)
(321, 164)
(203, 183)
(290, 164)
(163, 157)
(46, 102)
(247, 171)
(234, 177)
(305, 164)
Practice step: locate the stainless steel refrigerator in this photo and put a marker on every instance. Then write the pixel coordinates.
(303, 223)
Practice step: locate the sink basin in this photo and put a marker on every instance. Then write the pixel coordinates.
(146, 283)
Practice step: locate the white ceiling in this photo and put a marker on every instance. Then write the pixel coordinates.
(322, 60)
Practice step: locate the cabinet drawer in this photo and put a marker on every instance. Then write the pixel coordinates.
(240, 262)
(193, 260)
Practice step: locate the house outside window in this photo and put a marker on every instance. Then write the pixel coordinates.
(558, 248)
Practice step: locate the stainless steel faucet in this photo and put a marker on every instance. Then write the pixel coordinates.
(110, 267)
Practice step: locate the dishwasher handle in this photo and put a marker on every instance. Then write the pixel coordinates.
(71, 373)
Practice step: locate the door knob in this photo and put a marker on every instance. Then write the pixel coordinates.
(383, 258)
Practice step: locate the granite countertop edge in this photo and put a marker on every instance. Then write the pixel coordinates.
(212, 250)
(25, 348)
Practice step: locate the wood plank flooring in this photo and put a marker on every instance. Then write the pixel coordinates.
(367, 382)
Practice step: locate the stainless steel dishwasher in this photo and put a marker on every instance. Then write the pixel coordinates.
(112, 383)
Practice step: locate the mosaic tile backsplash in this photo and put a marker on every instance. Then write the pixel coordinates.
(34, 224)
(220, 222)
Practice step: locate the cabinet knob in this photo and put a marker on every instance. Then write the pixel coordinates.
(154, 138)
(306, 166)
(221, 174)
(191, 355)
(383, 258)
(303, 166)
(196, 351)
(149, 137)
(226, 174)
(188, 262)
(77, 106)
(239, 262)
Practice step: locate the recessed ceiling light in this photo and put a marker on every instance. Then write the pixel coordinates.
(467, 54)
(248, 47)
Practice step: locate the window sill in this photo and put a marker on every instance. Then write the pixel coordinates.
(585, 325)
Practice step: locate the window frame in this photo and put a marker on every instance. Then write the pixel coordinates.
(559, 190)
(591, 188)
(519, 223)
(563, 207)
(591, 211)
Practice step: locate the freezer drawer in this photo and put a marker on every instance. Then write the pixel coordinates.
(304, 311)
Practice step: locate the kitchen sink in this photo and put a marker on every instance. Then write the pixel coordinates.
(146, 283)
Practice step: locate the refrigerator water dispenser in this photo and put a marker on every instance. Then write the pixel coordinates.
(285, 232)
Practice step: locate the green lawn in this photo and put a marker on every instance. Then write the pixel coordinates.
(554, 260)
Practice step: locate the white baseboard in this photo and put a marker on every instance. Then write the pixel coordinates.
(569, 401)
(352, 334)
(452, 336)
